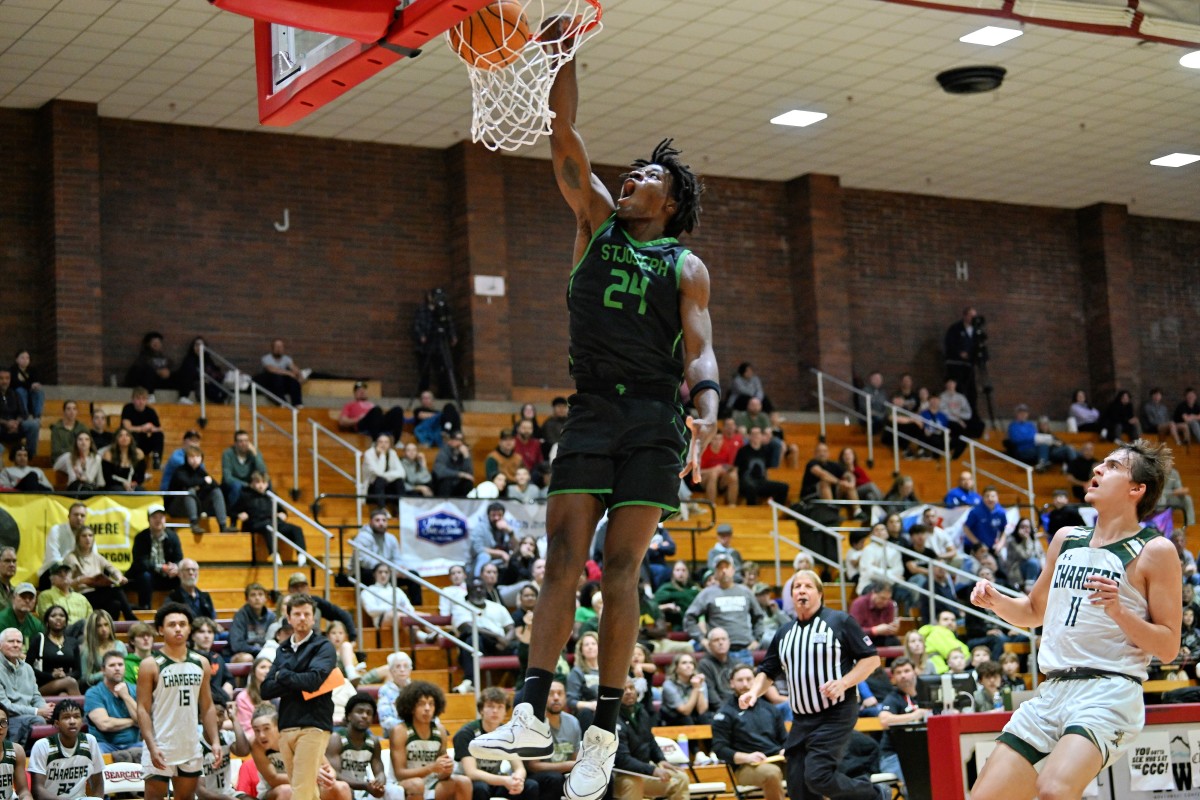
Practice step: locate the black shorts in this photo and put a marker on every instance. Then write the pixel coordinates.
(624, 450)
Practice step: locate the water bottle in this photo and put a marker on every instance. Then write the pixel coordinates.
(1006, 694)
(682, 741)
(998, 702)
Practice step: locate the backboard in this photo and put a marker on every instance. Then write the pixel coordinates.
(309, 52)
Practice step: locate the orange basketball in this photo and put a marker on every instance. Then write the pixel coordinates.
(493, 37)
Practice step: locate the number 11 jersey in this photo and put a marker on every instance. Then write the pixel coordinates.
(1078, 633)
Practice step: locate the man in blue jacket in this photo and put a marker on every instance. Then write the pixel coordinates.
(302, 664)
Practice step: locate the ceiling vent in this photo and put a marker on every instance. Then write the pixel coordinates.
(971, 80)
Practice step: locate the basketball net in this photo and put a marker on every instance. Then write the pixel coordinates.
(511, 103)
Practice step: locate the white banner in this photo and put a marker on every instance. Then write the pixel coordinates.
(435, 533)
(1150, 763)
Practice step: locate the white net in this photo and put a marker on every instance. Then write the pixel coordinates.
(513, 49)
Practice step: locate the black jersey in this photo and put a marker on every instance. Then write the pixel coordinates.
(623, 298)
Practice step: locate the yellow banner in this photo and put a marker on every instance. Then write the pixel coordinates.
(115, 520)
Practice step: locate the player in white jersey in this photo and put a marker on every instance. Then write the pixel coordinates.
(1109, 601)
(174, 698)
(355, 753)
(12, 766)
(67, 765)
(216, 783)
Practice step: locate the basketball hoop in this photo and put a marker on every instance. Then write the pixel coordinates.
(511, 73)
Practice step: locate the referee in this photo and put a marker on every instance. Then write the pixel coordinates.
(825, 655)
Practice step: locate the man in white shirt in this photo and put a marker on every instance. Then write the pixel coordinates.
(495, 627)
(879, 561)
(281, 376)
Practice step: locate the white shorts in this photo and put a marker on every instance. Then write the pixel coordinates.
(1108, 710)
(192, 768)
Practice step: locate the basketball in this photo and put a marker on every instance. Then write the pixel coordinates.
(492, 38)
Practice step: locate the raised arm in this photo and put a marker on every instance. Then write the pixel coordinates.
(700, 363)
(583, 191)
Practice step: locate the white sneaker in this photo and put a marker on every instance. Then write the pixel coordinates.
(301, 560)
(278, 560)
(466, 687)
(588, 779)
(524, 736)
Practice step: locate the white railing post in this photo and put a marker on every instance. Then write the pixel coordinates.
(778, 565)
(870, 433)
(821, 402)
(203, 392)
(974, 469)
(946, 445)
(895, 444)
(295, 453)
(254, 411)
(316, 461)
(237, 399)
(359, 488)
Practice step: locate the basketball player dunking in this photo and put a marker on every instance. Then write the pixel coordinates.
(639, 324)
(174, 699)
(1109, 600)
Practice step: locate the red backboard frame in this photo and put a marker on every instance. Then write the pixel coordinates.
(377, 44)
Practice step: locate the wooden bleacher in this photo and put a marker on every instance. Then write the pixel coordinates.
(227, 567)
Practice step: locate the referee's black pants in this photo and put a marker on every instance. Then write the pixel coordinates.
(815, 747)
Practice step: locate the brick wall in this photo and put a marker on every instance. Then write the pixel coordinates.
(1023, 276)
(1167, 287)
(373, 226)
(367, 236)
(22, 176)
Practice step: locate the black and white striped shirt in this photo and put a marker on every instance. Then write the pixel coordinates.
(813, 652)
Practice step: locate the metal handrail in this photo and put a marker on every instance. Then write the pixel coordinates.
(318, 459)
(864, 415)
(944, 453)
(255, 389)
(868, 418)
(973, 445)
(276, 502)
(294, 436)
(777, 537)
(205, 353)
(904, 551)
(1027, 490)
(398, 570)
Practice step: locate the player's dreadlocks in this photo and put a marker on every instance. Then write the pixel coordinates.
(686, 188)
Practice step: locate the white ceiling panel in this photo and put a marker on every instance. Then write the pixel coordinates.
(709, 72)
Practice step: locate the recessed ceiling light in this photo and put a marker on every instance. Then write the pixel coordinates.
(991, 36)
(1175, 160)
(798, 118)
(1191, 60)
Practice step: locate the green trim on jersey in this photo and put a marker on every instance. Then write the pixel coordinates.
(679, 267)
(1021, 747)
(1126, 549)
(672, 509)
(604, 226)
(81, 748)
(651, 243)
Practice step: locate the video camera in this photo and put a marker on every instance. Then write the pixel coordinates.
(440, 304)
(981, 337)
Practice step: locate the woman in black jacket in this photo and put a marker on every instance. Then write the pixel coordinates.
(54, 656)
